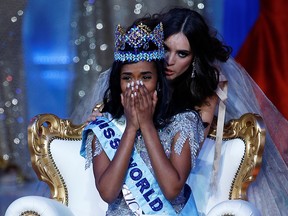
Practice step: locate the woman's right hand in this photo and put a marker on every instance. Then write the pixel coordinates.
(94, 115)
(128, 102)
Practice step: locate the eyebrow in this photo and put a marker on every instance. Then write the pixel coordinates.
(146, 72)
(181, 50)
(142, 72)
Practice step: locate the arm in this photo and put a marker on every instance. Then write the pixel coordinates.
(207, 111)
(109, 175)
(171, 173)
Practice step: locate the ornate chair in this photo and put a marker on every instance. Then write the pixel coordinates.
(54, 145)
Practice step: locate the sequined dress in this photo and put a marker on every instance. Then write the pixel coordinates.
(183, 123)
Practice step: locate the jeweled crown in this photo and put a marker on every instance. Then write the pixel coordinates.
(139, 38)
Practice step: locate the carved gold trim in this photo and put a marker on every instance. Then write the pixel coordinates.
(29, 213)
(251, 129)
(41, 131)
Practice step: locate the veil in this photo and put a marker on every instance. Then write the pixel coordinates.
(269, 192)
(95, 96)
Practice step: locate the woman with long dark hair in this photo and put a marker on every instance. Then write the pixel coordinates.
(208, 60)
(136, 147)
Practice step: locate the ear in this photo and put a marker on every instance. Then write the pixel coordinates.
(122, 99)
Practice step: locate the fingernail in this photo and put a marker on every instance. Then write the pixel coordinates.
(135, 94)
(132, 83)
(137, 87)
(141, 82)
(132, 88)
(137, 82)
(128, 85)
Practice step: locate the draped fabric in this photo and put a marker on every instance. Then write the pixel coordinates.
(265, 53)
(269, 192)
(271, 189)
(13, 122)
(238, 19)
(264, 56)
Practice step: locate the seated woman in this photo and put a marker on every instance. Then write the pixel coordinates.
(141, 156)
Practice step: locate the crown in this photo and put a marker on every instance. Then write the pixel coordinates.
(138, 38)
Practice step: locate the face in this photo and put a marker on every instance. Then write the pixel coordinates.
(178, 55)
(145, 71)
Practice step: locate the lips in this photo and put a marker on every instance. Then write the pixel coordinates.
(169, 72)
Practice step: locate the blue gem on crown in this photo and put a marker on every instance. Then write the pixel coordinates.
(139, 37)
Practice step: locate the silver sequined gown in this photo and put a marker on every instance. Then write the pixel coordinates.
(190, 127)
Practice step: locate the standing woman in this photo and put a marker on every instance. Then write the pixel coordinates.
(136, 147)
(191, 53)
(195, 53)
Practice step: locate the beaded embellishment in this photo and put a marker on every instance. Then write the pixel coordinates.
(139, 37)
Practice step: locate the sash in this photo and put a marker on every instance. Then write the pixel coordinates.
(139, 180)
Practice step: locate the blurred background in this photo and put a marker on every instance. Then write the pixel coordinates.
(51, 53)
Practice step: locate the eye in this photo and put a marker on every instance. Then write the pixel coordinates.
(126, 77)
(147, 77)
(183, 54)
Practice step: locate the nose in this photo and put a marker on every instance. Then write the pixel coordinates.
(170, 58)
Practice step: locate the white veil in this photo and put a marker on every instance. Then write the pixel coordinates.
(95, 96)
(269, 192)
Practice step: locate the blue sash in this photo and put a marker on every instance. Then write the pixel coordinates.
(139, 179)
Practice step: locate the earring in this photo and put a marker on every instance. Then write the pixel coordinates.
(195, 67)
